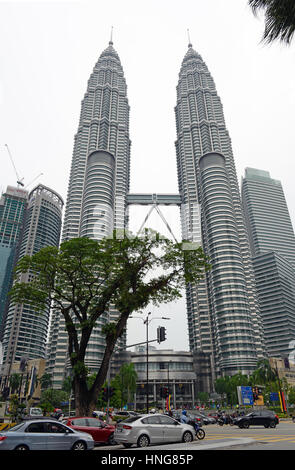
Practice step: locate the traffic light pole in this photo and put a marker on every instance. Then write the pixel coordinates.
(146, 322)
(147, 363)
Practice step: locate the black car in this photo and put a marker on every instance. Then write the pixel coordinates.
(265, 418)
(206, 419)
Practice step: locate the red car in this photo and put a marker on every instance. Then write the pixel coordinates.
(101, 432)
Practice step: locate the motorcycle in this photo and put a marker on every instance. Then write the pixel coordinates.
(200, 433)
(225, 420)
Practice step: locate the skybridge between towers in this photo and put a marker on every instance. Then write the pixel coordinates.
(154, 200)
(143, 199)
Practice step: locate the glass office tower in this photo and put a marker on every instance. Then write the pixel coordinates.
(98, 186)
(267, 215)
(223, 315)
(12, 211)
(272, 242)
(25, 332)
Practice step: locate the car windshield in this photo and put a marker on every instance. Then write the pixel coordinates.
(16, 427)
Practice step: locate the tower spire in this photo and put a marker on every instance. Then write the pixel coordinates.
(111, 40)
(189, 39)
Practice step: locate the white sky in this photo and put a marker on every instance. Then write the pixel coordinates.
(47, 53)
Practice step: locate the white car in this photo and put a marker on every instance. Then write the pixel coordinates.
(144, 430)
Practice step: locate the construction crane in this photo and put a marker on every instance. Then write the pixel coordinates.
(19, 181)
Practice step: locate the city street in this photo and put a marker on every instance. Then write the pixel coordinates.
(232, 438)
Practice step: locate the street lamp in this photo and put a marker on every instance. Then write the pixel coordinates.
(147, 322)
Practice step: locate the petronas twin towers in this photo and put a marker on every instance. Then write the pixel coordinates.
(223, 316)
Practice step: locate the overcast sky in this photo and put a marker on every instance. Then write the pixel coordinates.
(49, 48)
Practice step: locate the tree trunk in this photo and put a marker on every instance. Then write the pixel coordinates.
(85, 401)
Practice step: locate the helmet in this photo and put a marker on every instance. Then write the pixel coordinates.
(184, 412)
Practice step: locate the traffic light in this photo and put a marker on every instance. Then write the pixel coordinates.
(161, 334)
(255, 393)
(105, 394)
(164, 392)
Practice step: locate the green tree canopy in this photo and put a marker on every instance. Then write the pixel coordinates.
(84, 277)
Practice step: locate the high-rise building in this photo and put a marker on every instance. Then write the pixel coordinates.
(267, 215)
(273, 249)
(12, 210)
(98, 186)
(223, 314)
(25, 332)
(275, 280)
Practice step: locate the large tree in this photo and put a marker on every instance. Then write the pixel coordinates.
(279, 19)
(83, 277)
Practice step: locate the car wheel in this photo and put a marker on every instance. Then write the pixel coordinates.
(125, 444)
(272, 424)
(21, 447)
(143, 441)
(266, 425)
(246, 425)
(187, 437)
(111, 441)
(79, 445)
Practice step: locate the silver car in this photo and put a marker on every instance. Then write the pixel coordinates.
(144, 430)
(44, 435)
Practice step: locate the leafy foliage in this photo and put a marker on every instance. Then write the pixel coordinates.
(84, 277)
(279, 19)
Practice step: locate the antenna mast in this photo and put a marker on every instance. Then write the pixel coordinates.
(189, 39)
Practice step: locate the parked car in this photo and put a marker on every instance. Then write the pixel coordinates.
(265, 418)
(205, 418)
(32, 413)
(101, 432)
(99, 413)
(45, 434)
(143, 430)
(124, 414)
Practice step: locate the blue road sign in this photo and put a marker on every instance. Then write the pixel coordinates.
(247, 395)
(274, 396)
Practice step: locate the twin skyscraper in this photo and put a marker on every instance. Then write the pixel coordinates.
(224, 323)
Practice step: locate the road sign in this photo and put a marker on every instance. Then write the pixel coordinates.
(245, 395)
(274, 396)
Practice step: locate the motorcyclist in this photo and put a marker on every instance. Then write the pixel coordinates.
(184, 419)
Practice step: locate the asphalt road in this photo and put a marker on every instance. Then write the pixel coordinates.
(233, 438)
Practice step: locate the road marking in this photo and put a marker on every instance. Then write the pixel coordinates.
(258, 437)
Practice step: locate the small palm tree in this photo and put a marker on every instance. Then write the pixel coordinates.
(279, 19)
(15, 382)
(264, 373)
(127, 382)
